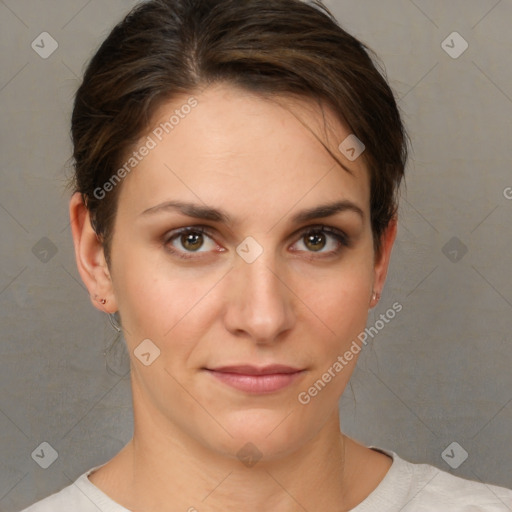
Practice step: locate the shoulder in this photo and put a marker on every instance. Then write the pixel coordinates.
(69, 498)
(426, 488)
(80, 496)
(471, 496)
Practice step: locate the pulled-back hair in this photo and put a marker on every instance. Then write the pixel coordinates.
(165, 48)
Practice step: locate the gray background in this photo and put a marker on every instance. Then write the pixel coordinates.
(438, 373)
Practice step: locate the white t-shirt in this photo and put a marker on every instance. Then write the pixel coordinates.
(406, 487)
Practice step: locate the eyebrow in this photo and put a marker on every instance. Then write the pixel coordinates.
(327, 210)
(216, 215)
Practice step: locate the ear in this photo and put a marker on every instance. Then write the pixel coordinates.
(382, 258)
(90, 258)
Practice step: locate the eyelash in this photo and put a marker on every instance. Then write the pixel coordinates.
(338, 235)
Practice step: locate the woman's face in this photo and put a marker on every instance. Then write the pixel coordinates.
(254, 282)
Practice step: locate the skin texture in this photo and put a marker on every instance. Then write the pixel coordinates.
(260, 162)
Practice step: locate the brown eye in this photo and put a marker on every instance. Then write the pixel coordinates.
(192, 241)
(315, 241)
(324, 240)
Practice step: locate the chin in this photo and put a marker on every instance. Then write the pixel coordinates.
(267, 433)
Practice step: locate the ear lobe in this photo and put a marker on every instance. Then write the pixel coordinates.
(383, 257)
(90, 257)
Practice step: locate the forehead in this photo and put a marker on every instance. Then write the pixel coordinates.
(231, 147)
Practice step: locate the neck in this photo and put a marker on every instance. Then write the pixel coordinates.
(170, 469)
(165, 468)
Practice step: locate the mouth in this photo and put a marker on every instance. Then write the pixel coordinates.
(257, 380)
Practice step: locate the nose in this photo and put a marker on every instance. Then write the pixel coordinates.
(260, 302)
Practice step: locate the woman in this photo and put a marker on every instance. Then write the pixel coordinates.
(237, 167)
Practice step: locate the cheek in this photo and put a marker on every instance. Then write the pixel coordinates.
(338, 314)
(160, 301)
(340, 301)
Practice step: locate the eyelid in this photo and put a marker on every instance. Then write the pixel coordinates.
(175, 233)
(337, 234)
(323, 228)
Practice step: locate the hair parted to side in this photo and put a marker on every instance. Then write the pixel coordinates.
(165, 48)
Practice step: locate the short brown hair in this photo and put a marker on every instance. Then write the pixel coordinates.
(163, 48)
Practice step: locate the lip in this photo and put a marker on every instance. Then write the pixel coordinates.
(257, 380)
